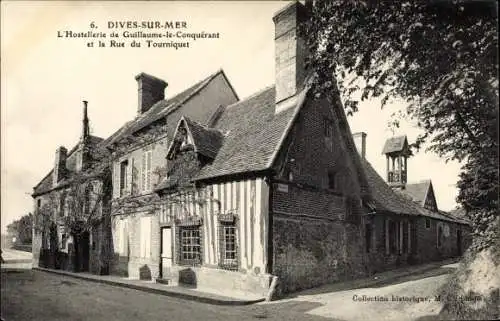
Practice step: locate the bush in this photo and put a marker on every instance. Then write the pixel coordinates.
(472, 293)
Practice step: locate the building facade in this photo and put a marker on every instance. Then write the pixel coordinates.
(71, 205)
(139, 163)
(214, 191)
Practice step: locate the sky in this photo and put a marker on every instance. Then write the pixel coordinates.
(44, 79)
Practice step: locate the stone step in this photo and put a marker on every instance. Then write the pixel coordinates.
(164, 281)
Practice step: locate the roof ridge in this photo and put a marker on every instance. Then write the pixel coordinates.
(428, 180)
(202, 84)
(205, 127)
(255, 94)
(156, 113)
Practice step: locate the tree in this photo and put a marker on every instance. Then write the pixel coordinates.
(22, 229)
(79, 204)
(440, 57)
(80, 201)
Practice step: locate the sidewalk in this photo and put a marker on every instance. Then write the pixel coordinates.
(211, 296)
(203, 295)
(14, 259)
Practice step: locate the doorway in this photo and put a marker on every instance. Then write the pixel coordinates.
(82, 251)
(166, 251)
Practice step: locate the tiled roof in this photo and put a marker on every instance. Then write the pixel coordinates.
(418, 191)
(207, 141)
(252, 133)
(457, 214)
(45, 184)
(388, 200)
(394, 144)
(384, 196)
(160, 109)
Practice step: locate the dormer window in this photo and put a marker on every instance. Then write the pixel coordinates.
(183, 137)
(288, 174)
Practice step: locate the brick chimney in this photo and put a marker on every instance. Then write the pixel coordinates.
(150, 90)
(360, 142)
(60, 165)
(290, 54)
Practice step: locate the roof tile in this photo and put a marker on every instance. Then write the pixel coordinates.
(252, 132)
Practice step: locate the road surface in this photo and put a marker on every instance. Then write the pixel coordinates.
(34, 295)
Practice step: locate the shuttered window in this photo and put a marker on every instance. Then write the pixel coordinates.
(122, 231)
(146, 237)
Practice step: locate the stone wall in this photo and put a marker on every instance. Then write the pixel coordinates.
(308, 253)
(423, 246)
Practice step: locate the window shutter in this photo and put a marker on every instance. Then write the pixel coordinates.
(142, 237)
(116, 180)
(143, 172)
(119, 229)
(148, 170)
(130, 176)
(125, 237)
(148, 236)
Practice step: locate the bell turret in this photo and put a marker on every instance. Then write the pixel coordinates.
(397, 151)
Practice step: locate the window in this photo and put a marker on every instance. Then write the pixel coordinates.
(62, 204)
(328, 127)
(190, 245)
(123, 177)
(328, 134)
(405, 237)
(87, 199)
(64, 242)
(146, 170)
(439, 236)
(393, 237)
(39, 203)
(331, 180)
(146, 237)
(427, 223)
(287, 174)
(368, 237)
(228, 250)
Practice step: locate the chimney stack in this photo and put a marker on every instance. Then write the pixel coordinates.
(85, 127)
(290, 53)
(150, 90)
(360, 142)
(60, 165)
